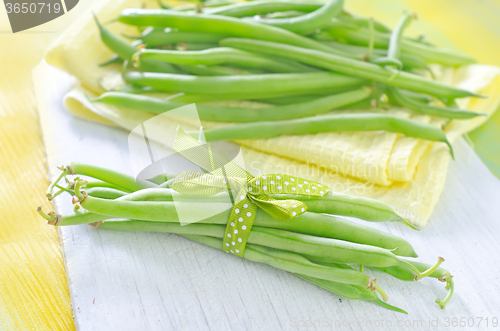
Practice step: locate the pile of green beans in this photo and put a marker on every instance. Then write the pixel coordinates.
(307, 59)
(317, 246)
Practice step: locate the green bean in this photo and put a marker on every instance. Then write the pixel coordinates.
(422, 108)
(195, 6)
(222, 55)
(202, 70)
(280, 101)
(105, 193)
(237, 114)
(194, 46)
(429, 53)
(100, 184)
(267, 83)
(153, 37)
(350, 67)
(330, 123)
(394, 49)
(282, 261)
(216, 24)
(351, 292)
(126, 51)
(322, 249)
(253, 8)
(285, 14)
(347, 205)
(310, 22)
(262, 95)
(120, 180)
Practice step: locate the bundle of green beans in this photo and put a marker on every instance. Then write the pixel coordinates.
(317, 246)
(303, 59)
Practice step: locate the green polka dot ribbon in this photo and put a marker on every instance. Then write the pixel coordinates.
(252, 192)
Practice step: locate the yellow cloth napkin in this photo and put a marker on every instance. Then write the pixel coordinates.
(404, 172)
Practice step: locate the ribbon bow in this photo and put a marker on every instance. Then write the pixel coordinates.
(252, 192)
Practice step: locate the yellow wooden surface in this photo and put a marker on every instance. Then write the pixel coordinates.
(33, 288)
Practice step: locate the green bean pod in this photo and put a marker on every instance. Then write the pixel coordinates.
(215, 24)
(202, 70)
(101, 184)
(263, 96)
(221, 55)
(194, 46)
(286, 14)
(281, 101)
(153, 37)
(394, 49)
(126, 51)
(253, 8)
(423, 108)
(348, 205)
(241, 84)
(348, 66)
(105, 193)
(330, 123)
(351, 292)
(117, 179)
(310, 22)
(237, 114)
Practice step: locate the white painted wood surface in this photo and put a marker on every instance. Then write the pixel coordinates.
(148, 281)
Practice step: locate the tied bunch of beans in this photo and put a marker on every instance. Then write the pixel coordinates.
(317, 246)
(303, 59)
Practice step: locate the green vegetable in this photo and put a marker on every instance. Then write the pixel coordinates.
(310, 22)
(253, 8)
(125, 51)
(265, 83)
(237, 114)
(426, 109)
(221, 55)
(304, 245)
(348, 66)
(330, 123)
(215, 24)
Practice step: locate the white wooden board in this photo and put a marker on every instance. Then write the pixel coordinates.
(148, 281)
